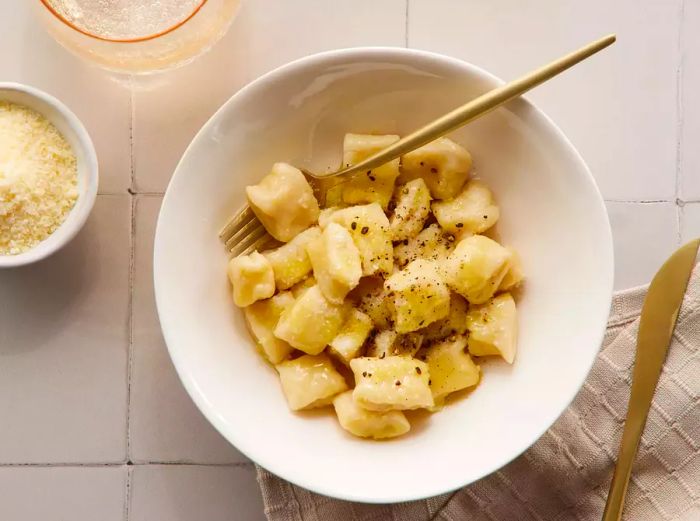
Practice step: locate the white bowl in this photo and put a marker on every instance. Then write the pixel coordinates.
(552, 213)
(73, 130)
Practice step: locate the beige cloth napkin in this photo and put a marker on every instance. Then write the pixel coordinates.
(566, 474)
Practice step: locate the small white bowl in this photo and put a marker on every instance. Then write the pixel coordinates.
(73, 130)
(551, 212)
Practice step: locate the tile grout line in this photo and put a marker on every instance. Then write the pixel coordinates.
(129, 191)
(132, 247)
(641, 201)
(680, 123)
(129, 365)
(235, 464)
(117, 464)
(127, 494)
(405, 28)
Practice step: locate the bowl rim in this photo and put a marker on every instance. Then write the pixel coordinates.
(180, 363)
(86, 198)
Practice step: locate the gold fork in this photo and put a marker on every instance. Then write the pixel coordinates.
(244, 233)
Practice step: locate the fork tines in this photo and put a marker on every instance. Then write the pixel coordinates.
(244, 233)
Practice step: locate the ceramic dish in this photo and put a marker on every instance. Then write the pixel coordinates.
(552, 213)
(73, 130)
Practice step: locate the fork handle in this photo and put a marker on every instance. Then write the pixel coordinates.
(475, 108)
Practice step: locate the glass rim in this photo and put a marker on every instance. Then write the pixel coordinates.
(170, 29)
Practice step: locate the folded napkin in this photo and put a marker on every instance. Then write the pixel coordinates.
(566, 474)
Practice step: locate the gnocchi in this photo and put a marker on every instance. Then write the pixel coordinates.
(284, 202)
(370, 230)
(411, 210)
(290, 262)
(451, 368)
(262, 318)
(373, 186)
(391, 383)
(368, 424)
(310, 381)
(493, 328)
(472, 211)
(336, 262)
(311, 322)
(252, 278)
(349, 341)
(442, 164)
(475, 269)
(417, 295)
(386, 299)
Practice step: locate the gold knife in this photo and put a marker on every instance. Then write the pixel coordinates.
(656, 325)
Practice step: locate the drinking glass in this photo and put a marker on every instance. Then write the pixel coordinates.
(137, 36)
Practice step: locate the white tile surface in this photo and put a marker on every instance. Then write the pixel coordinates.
(266, 33)
(690, 154)
(619, 108)
(63, 347)
(29, 55)
(186, 493)
(644, 236)
(62, 493)
(165, 425)
(690, 221)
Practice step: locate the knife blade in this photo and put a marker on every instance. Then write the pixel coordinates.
(658, 320)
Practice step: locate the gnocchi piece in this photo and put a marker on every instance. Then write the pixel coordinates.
(476, 268)
(391, 383)
(336, 262)
(493, 328)
(368, 424)
(371, 298)
(453, 324)
(284, 202)
(349, 341)
(310, 381)
(390, 343)
(252, 278)
(431, 243)
(372, 186)
(262, 317)
(412, 208)
(312, 322)
(443, 164)
(514, 276)
(325, 216)
(472, 211)
(418, 296)
(369, 228)
(300, 287)
(290, 263)
(451, 368)
(382, 344)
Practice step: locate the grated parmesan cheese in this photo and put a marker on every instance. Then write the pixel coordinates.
(38, 178)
